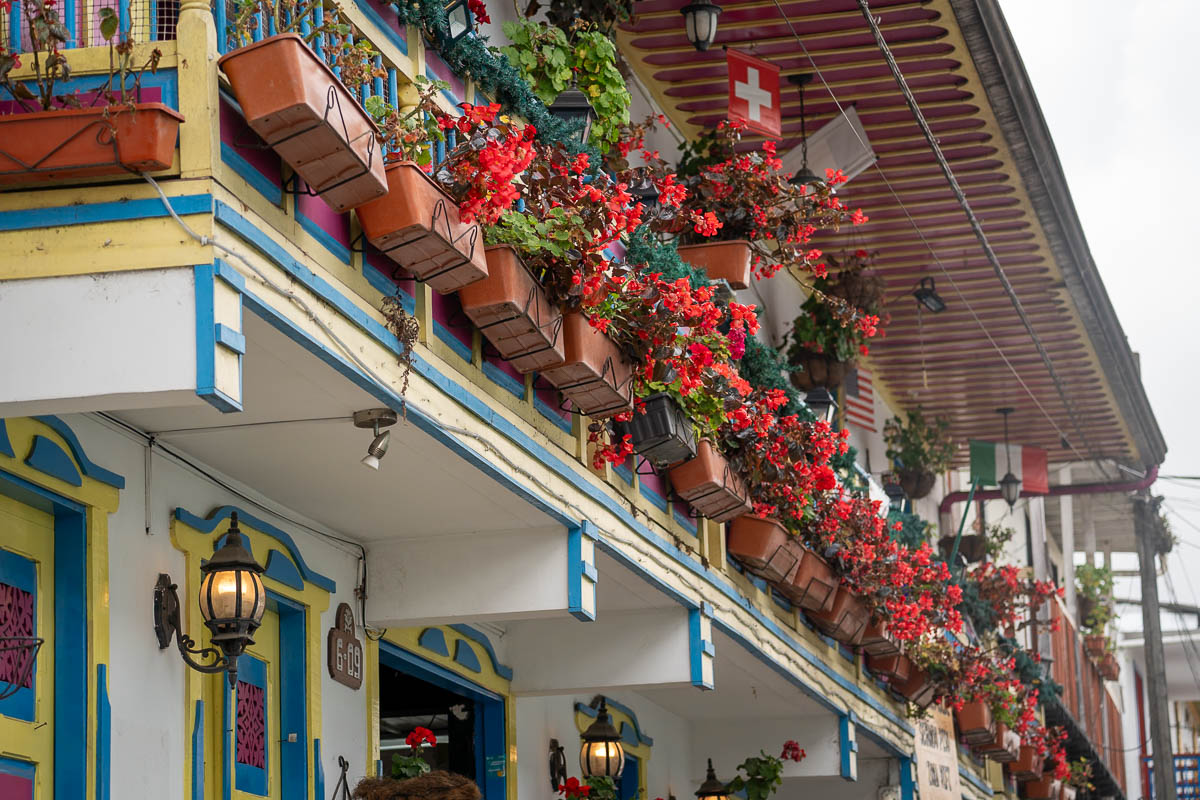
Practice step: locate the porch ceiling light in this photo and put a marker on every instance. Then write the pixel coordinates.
(1010, 485)
(821, 403)
(376, 418)
(232, 601)
(928, 297)
(804, 176)
(700, 22)
(601, 755)
(713, 787)
(572, 106)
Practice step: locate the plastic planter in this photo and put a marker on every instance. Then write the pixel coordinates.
(1110, 670)
(722, 261)
(1045, 787)
(1027, 766)
(846, 619)
(86, 142)
(918, 689)
(510, 308)
(708, 484)
(761, 545)
(818, 369)
(1095, 645)
(811, 585)
(660, 431)
(975, 722)
(417, 225)
(1003, 747)
(593, 375)
(895, 668)
(295, 103)
(878, 641)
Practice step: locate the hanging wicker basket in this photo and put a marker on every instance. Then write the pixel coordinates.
(437, 785)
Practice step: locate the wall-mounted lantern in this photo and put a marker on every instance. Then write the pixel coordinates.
(601, 755)
(713, 787)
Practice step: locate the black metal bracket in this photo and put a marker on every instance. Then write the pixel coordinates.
(26, 649)
(167, 627)
(558, 765)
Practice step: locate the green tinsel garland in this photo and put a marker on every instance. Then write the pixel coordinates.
(912, 529)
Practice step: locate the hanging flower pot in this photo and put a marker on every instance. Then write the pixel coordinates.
(972, 547)
(818, 369)
(811, 585)
(846, 620)
(510, 308)
(660, 431)
(761, 545)
(1045, 787)
(975, 722)
(86, 142)
(895, 668)
(1003, 747)
(417, 225)
(1110, 670)
(436, 785)
(295, 103)
(1095, 645)
(722, 261)
(708, 484)
(593, 375)
(1028, 766)
(919, 689)
(878, 641)
(917, 483)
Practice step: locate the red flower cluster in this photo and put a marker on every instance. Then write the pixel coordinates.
(792, 751)
(481, 172)
(420, 737)
(573, 788)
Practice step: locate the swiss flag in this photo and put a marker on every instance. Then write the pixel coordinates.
(754, 93)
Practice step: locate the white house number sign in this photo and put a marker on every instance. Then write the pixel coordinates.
(345, 651)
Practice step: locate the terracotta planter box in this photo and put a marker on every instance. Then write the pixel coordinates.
(878, 641)
(1095, 645)
(84, 143)
(975, 723)
(846, 620)
(918, 689)
(417, 225)
(1027, 766)
(916, 483)
(510, 308)
(811, 585)
(593, 375)
(761, 545)
(896, 668)
(727, 261)
(819, 369)
(1110, 670)
(1043, 788)
(660, 431)
(295, 103)
(708, 484)
(1003, 747)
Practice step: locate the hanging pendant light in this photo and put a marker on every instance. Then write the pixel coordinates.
(700, 22)
(573, 107)
(821, 403)
(713, 787)
(1010, 485)
(601, 755)
(804, 176)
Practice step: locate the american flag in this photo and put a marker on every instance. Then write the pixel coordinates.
(860, 399)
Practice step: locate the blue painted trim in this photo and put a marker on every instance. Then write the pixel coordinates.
(654, 497)
(227, 751)
(504, 671)
(975, 780)
(262, 184)
(683, 520)
(230, 339)
(57, 216)
(218, 515)
(848, 746)
(386, 287)
(578, 573)
(338, 250)
(198, 752)
(465, 656)
(293, 698)
(508, 429)
(318, 771)
(5, 444)
(35, 496)
(252, 671)
(908, 786)
(70, 655)
(588, 711)
(22, 769)
(388, 32)
(625, 472)
(47, 457)
(103, 735)
(206, 341)
(231, 277)
(411, 663)
(503, 379)
(699, 648)
(447, 337)
(433, 640)
(89, 468)
(550, 413)
(281, 568)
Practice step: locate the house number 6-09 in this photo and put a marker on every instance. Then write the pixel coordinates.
(345, 654)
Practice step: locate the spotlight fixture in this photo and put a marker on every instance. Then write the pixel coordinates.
(928, 297)
(804, 176)
(458, 19)
(1010, 485)
(713, 787)
(821, 402)
(232, 602)
(376, 418)
(572, 106)
(700, 22)
(601, 755)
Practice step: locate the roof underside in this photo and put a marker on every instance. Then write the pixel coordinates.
(951, 363)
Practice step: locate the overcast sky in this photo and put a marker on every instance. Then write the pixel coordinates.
(1118, 83)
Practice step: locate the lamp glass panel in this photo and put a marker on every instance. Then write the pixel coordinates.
(705, 21)
(458, 20)
(689, 21)
(232, 594)
(602, 759)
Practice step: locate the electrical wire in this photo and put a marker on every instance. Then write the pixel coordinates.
(933, 254)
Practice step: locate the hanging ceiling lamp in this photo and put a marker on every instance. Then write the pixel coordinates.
(713, 787)
(821, 403)
(1010, 485)
(927, 295)
(804, 176)
(700, 21)
(601, 755)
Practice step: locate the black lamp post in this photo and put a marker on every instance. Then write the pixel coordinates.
(1010, 485)
(713, 787)
(700, 21)
(232, 601)
(573, 107)
(804, 176)
(601, 755)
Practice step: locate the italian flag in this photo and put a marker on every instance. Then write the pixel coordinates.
(989, 463)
